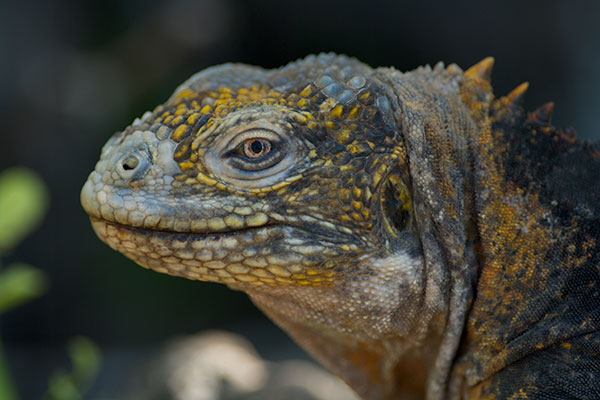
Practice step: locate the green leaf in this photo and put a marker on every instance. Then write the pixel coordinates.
(23, 203)
(62, 387)
(7, 390)
(85, 357)
(19, 283)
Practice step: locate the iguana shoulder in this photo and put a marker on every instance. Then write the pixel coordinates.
(415, 234)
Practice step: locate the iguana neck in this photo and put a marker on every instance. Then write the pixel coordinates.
(491, 181)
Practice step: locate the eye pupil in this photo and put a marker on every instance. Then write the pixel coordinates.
(254, 148)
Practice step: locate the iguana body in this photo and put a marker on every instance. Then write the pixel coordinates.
(416, 235)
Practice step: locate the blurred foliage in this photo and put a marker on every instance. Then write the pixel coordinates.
(20, 283)
(23, 203)
(85, 357)
(7, 391)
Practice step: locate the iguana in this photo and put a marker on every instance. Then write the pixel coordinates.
(418, 236)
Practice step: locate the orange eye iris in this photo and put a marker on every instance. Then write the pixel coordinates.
(256, 147)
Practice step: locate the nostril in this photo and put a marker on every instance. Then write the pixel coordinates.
(130, 163)
(132, 166)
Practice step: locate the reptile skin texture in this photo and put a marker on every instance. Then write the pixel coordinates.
(417, 235)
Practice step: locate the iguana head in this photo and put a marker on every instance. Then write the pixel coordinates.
(259, 177)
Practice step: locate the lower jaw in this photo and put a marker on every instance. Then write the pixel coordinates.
(232, 258)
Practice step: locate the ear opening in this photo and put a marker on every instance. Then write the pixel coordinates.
(395, 204)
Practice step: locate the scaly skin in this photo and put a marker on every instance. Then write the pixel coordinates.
(417, 236)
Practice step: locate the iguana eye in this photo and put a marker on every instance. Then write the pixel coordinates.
(256, 150)
(253, 154)
(256, 147)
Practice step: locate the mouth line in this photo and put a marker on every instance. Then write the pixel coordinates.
(199, 235)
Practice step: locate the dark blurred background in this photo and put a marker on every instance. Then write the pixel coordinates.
(73, 72)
